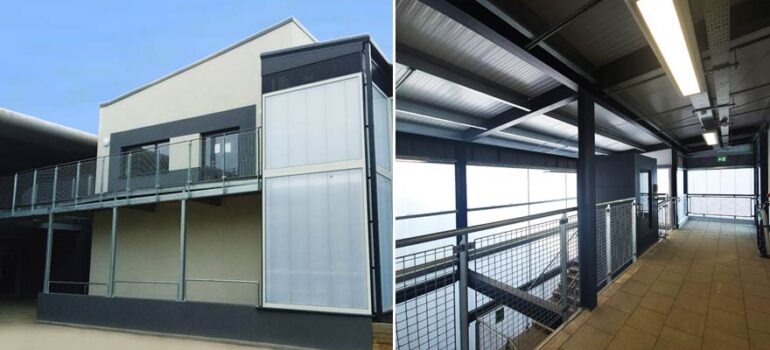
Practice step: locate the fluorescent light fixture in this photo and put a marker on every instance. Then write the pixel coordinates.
(710, 137)
(673, 41)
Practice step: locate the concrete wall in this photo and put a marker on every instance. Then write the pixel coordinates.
(224, 242)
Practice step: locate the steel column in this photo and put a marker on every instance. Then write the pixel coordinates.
(674, 188)
(586, 187)
(763, 181)
(181, 295)
(53, 189)
(48, 250)
(461, 221)
(113, 250)
(564, 305)
(633, 229)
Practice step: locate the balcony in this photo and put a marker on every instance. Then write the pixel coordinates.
(213, 165)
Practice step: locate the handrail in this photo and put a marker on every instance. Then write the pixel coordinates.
(616, 201)
(500, 206)
(405, 242)
(724, 195)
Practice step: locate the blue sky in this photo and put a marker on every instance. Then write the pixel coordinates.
(61, 59)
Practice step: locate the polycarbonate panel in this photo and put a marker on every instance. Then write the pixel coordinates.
(315, 240)
(424, 188)
(385, 231)
(489, 186)
(313, 125)
(382, 130)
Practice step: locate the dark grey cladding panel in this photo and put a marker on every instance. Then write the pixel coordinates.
(733, 161)
(279, 61)
(224, 321)
(306, 64)
(243, 118)
(410, 146)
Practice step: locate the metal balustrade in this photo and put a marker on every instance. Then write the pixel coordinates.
(202, 163)
(736, 206)
(510, 288)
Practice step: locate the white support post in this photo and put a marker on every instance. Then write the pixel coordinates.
(608, 230)
(633, 229)
(113, 250)
(189, 164)
(53, 189)
(128, 173)
(180, 295)
(463, 298)
(48, 250)
(101, 180)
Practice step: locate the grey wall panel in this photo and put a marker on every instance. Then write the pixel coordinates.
(237, 322)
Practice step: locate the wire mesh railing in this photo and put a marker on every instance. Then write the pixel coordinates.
(160, 168)
(736, 206)
(512, 288)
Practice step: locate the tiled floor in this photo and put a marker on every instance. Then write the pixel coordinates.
(703, 288)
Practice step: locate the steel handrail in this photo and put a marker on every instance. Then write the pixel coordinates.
(405, 242)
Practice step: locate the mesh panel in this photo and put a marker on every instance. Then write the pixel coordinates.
(425, 309)
(601, 245)
(621, 233)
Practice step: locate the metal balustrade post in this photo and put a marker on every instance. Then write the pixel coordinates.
(633, 229)
(608, 240)
(189, 163)
(113, 250)
(15, 186)
(463, 298)
(157, 169)
(77, 183)
(564, 304)
(128, 173)
(180, 295)
(34, 191)
(224, 161)
(101, 180)
(53, 188)
(48, 250)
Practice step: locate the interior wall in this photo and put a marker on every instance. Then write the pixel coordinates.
(223, 242)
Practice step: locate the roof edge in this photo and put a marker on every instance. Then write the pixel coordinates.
(44, 126)
(216, 54)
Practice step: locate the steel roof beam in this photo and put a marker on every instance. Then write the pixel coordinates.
(548, 101)
(415, 59)
(496, 29)
(416, 108)
(604, 132)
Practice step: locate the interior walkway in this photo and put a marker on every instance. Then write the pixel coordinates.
(703, 288)
(19, 330)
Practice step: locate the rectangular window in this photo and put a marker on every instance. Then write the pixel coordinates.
(145, 159)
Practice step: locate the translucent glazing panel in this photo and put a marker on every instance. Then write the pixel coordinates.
(385, 217)
(382, 132)
(314, 125)
(315, 244)
(488, 186)
(424, 188)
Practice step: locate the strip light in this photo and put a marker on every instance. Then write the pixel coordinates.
(710, 137)
(665, 27)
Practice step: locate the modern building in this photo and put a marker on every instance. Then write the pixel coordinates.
(582, 174)
(245, 196)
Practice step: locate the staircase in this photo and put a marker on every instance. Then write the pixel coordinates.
(573, 281)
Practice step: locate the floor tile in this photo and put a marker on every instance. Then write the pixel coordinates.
(607, 318)
(692, 303)
(758, 320)
(672, 339)
(647, 320)
(716, 340)
(629, 338)
(686, 321)
(624, 301)
(587, 338)
(726, 322)
(658, 302)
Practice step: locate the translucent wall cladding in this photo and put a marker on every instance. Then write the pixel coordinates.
(319, 124)
(721, 181)
(316, 217)
(316, 252)
(423, 189)
(382, 129)
(664, 181)
(385, 208)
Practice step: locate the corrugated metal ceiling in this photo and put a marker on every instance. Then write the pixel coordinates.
(429, 31)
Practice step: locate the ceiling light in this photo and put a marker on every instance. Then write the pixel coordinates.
(710, 137)
(667, 24)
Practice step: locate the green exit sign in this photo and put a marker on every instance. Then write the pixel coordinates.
(721, 159)
(499, 315)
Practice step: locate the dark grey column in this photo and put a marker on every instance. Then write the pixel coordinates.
(763, 184)
(461, 221)
(586, 192)
(674, 187)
